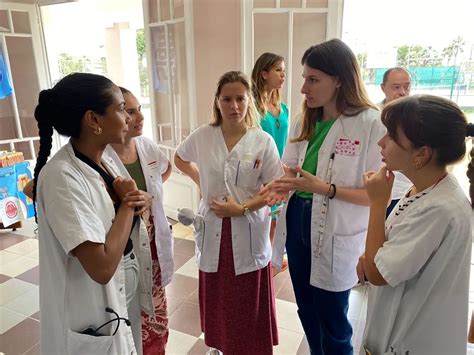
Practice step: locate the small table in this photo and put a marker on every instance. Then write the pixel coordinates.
(13, 226)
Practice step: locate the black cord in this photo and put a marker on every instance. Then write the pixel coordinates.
(95, 332)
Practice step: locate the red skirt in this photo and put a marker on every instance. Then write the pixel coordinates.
(237, 312)
(155, 329)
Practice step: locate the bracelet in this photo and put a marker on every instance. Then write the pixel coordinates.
(329, 191)
(334, 191)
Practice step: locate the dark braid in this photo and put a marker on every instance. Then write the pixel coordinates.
(63, 108)
(470, 167)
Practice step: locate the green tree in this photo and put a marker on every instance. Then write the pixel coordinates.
(451, 52)
(142, 69)
(417, 56)
(141, 49)
(362, 59)
(69, 64)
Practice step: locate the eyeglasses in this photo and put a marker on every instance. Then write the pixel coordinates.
(95, 331)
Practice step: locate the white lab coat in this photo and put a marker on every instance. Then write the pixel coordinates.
(426, 261)
(154, 163)
(240, 173)
(74, 207)
(346, 223)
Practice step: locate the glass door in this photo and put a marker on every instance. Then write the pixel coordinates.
(23, 75)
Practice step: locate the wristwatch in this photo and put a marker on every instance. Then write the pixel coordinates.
(246, 210)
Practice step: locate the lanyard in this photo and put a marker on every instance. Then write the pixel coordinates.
(324, 208)
(109, 180)
(403, 204)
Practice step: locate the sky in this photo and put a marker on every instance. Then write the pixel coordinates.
(389, 23)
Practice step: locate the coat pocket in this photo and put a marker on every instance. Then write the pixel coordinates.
(346, 252)
(345, 170)
(80, 344)
(199, 235)
(247, 174)
(259, 238)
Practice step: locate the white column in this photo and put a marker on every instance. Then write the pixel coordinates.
(121, 56)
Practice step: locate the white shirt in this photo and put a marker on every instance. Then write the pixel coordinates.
(74, 207)
(354, 142)
(240, 173)
(426, 262)
(153, 163)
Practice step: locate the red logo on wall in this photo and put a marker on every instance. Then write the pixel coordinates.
(11, 210)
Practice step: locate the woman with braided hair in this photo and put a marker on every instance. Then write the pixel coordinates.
(418, 260)
(94, 255)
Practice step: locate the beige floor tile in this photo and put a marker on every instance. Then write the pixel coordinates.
(304, 347)
(7, 257)
(13, 288)
(33, 255)
(186, 319)
(287, 318)
(179, 343)
(182, 231)
(9, 319)
(27, 304)
(190, 268)
(24, 247)
(18, 266)
(289, 342)
(27, 229)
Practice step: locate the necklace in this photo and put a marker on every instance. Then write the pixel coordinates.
(275, 109)
(403, 206)
(128, 157)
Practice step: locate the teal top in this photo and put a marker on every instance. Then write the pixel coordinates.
(311, 158)
(277, 127)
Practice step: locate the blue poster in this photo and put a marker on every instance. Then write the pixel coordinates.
(15, 206)
(5, 82)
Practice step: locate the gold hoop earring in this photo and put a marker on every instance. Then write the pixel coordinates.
(418, 165)
(98, 131)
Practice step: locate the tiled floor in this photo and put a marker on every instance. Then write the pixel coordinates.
(19, 303)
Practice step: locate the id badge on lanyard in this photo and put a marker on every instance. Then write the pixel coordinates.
(324, 209)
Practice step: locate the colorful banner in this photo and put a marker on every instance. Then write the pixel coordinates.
(15, 206)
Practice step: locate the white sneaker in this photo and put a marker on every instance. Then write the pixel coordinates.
(213, 351)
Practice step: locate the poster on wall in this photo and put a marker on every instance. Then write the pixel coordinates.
(5, 82)
(15, 206)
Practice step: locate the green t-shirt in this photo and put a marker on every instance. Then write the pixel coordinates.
(136, 172)
(311, 158)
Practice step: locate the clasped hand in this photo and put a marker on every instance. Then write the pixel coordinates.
(127, 191)
(226, 208)
(278, 191)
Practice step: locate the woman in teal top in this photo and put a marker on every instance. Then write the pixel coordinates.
(268, 77)
(277, 126)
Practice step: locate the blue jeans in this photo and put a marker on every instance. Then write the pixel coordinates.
(323, 314)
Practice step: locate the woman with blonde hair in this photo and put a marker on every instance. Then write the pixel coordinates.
(323, 225)
(230, 160)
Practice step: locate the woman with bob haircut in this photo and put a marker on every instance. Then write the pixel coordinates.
(418, 260)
